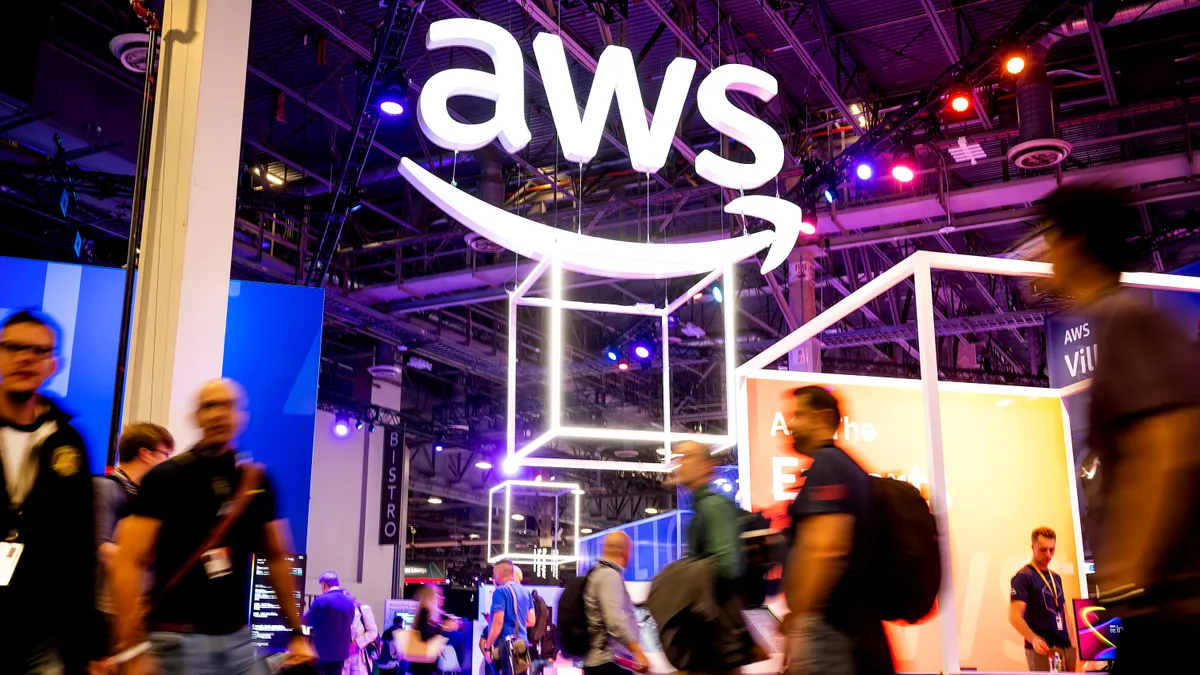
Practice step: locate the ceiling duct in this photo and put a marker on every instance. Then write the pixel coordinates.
(388, 359)
(1038, 146)
(131, 50)
(491, 190)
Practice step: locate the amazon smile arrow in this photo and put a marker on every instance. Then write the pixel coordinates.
(611, 258)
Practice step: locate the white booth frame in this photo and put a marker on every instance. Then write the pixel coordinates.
(920, 266)
(556, 304)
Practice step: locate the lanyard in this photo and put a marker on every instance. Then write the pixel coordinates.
(1049, 584)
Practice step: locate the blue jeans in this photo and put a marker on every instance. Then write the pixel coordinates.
(186, 654)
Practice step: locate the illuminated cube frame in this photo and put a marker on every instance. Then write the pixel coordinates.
(920, 266)
(554, 490)
(556, 304)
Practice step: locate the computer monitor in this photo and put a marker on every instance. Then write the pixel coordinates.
(1098, 631)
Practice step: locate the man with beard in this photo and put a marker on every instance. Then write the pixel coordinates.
(833, 625)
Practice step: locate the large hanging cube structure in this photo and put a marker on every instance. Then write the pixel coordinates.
(523, 452)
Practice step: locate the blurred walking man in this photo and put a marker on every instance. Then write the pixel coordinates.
(200, 517)
(1038, 607)
(47, 528)
(833, 625)
(1144, 418)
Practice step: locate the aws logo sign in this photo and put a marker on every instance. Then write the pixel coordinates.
(649, 139)
(1083, 360)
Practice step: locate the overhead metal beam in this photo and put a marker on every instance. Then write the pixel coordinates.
(966, 325)
(275, 155)
(810, 64)
(413, 88)
(952, 54)
(1110, 90)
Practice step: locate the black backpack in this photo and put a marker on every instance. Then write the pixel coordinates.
(574, 638)
(905, 558)
(762, 549)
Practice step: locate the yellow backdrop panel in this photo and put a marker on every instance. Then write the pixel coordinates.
(1006, 473)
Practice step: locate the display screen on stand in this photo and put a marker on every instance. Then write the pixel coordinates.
(268, 631)
(1099, 632)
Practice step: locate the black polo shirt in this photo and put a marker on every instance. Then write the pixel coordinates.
(186, 494)
(1043, 606)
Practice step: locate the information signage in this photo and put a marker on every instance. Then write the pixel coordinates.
(268, 630)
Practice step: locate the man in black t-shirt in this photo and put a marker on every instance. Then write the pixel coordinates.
(1038, 607)
(1144, 427)
(197, 614)
(833, 625)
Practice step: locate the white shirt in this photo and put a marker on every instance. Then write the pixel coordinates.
(16, 447)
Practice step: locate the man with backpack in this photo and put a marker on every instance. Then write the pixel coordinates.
(834, 624)
(714, 536)
(612, 624)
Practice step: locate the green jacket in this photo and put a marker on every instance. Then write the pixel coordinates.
(714, 533)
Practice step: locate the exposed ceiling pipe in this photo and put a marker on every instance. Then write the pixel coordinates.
(1138, 12)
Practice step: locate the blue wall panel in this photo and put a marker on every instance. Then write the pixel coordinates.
(272, 346)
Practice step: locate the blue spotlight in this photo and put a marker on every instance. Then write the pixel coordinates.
(641, 351)
(717, 294)
(864, 171)
(828, 196)
(611, 355)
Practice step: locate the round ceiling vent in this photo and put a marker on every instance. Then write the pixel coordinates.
(1041, 153)
(482, 244)
(131, 49)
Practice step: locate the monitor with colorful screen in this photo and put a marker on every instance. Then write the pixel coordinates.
(1098, 631)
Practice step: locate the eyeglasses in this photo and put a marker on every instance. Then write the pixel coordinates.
(18, 348)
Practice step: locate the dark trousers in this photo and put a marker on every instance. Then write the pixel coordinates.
(330, 667)
(609, 668)
(1152, 643)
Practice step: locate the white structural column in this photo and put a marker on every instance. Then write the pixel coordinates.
(802, 298)
(927, 344)
(178, 338)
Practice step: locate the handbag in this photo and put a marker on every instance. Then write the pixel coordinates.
(415, 650)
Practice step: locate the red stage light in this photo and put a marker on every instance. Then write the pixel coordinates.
(1014, 65)
(960, 103)
(903, 173)
(622, 366)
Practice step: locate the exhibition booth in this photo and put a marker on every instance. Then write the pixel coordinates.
(994, 462)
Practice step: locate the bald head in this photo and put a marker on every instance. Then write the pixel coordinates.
(617, 546)
(220, 412)
(695, 464)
